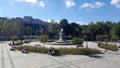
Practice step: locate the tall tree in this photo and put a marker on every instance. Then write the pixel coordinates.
(43, 38)
(53, 28)
(28, 30)
(63, 23)
(75, 29)
(115, 32)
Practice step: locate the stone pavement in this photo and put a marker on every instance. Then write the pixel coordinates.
(16, 59)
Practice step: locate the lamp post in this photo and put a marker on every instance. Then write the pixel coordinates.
(106, 45)
(106, 41)
(86, 42)
(86, 39)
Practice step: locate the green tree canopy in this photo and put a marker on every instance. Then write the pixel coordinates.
(43, 38)
(28, 30)
(14, 38)
(63, 23)
(115, 32)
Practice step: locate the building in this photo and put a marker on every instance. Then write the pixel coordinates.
(37, 25)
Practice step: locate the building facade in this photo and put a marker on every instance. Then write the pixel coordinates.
(17, 26)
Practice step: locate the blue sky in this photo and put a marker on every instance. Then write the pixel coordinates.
(80, 11)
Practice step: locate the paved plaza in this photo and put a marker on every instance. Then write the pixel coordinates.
(16, 59)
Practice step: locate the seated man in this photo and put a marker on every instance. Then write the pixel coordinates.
(52, 51)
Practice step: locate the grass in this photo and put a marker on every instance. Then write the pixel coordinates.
(80, 51)
(34, 49)
(109, 47)
(61, 51)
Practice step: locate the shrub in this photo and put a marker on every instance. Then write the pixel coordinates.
(14, 38)
(109, 47)
(77, 41)
(34, 49)
(62, 51)
(43, 37)
(80, 51)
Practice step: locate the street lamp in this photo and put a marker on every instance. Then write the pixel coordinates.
(86, 39)
(86, 42)
(106, 40)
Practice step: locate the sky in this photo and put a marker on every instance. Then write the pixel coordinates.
(79, 11)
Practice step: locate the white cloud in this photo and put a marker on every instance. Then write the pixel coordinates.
(52, 21)
(31, 1)
(92, 5)
(41, 3)
(116, 3)
(69, 3)
(28, 1)
(81, 23)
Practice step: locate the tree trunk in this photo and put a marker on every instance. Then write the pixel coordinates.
(44, 44)
(13, 43)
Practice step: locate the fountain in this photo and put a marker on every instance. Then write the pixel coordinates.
(62, 40)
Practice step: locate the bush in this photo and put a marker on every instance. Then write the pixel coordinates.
(14, 38)
(109, 47)
(77, 41)
(80, 51)
(62, 51)
(34, 49)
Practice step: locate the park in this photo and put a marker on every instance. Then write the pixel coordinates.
(50, 50)
(59, 33)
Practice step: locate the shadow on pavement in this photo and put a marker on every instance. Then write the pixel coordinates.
(95, 56)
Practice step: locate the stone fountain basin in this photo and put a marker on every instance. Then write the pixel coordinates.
(61, 42)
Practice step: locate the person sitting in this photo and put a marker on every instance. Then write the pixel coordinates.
(52, 51)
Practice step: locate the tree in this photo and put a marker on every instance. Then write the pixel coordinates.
(98, 38)
(115, 32)
(77, 41)
(43, 38)
(63, 23)
(14, 38)
(114, 38)
(105, 38)
(99, 28)
(102, 37)
(9, 27)
(28, 30)
(75, 29)
(53, 29)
